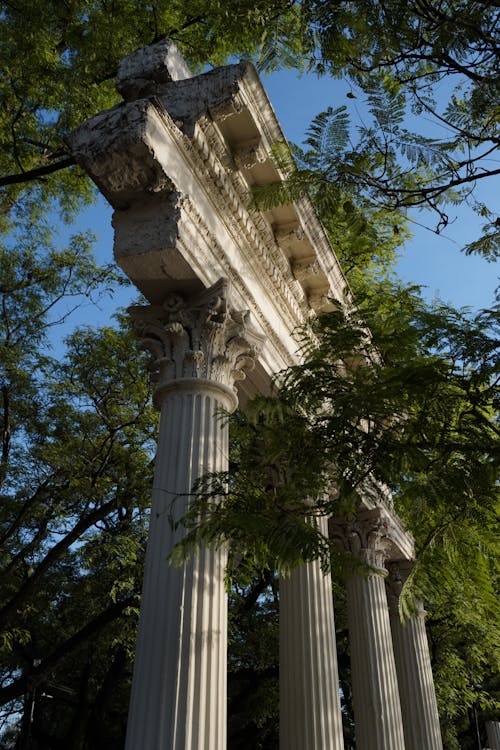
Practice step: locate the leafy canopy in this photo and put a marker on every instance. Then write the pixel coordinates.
(392, 394)
(77, 438)
(420, 417)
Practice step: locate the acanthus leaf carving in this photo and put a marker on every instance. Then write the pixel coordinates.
(200, 338)
(372, 535)
(227, 108)
(398, 572)
(319, 301)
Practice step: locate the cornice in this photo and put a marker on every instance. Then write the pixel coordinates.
(254, 96)
(178, 134)
(260, 247)
(177, 161)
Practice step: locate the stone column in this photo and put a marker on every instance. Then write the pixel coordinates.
(493, 734)
(377, 710)
(178, 699)
(413, 667)
(310, 717)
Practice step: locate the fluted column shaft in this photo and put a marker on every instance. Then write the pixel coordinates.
(179, 696)
(310, 717)
(413, 667)
(416, 684)
(493, 734)
(369, 537)
(377, 710)
(179, 688)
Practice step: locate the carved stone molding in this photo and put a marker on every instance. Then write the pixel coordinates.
(305, 269)
(376, 493)
(214, 250)
(318, 301)
(200, 338)
(178, 137)
(286, 235)
(245, 223)
(247, 155)
(226, 109)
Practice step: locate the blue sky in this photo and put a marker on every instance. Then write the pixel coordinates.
(435, 262)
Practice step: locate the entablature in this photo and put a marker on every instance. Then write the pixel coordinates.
(177, 161)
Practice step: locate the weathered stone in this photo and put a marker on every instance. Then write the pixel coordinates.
(168, 163)
(142, 73)
(375, 533)
(199, 347)
(200, 338)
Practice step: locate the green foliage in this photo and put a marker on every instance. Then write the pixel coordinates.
(263, 460)
(253, 662)
(488, 244)
(391, 390)
(464, 644)
(77, 446)
(59, 61)
(365, 235)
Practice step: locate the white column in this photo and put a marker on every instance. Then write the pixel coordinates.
(493, 734)
(310, 717)
(413, 667)
(377, 710)
(178, 699)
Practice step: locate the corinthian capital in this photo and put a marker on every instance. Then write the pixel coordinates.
(198, 338)
(374, 536)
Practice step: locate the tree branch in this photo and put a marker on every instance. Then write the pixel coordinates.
(38, 674)
(10, 608)
(38, 173)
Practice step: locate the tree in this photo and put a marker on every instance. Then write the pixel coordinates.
(77, 447)
(253, 661)
(60, 61)
(77, 441)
